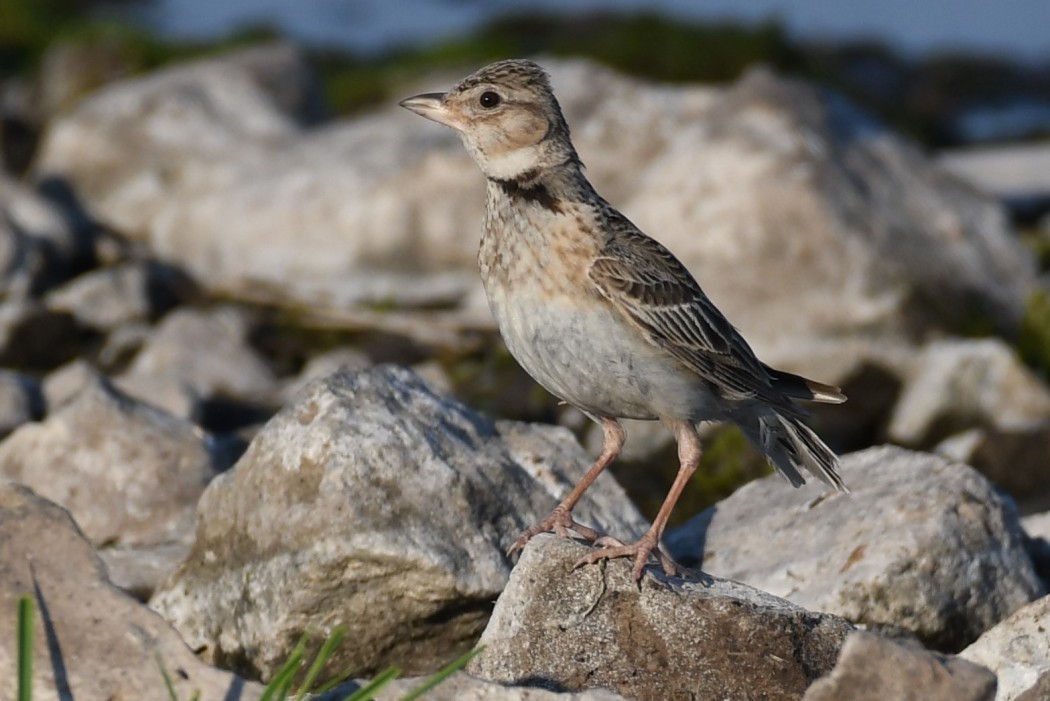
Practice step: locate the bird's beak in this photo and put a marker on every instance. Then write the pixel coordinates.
(430, 105)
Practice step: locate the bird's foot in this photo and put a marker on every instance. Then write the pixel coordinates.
(560, 522)
(647, 546)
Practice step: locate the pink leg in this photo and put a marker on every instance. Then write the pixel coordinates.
(560, 521)
(688, 457)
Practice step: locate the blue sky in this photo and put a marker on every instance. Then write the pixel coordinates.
(1020, 28)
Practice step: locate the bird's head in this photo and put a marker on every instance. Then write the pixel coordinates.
(508, 118)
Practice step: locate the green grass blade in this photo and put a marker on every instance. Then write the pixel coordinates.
(277, 689)
(442, 674)
(323, 655)
(365, 692)
(25, 648)
(167, 678)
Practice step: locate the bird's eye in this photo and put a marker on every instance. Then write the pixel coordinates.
(489, 99)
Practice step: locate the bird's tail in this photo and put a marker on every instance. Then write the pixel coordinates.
(789, 446)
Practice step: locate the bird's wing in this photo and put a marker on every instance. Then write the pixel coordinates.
(646, 283)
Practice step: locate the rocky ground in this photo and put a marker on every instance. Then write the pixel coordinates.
(251, 390)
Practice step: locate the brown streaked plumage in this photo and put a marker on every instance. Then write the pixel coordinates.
(603, 316)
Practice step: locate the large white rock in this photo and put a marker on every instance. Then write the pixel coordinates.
(129, 473)
(90, 641)
(921, 545)
(823, 236)
(374, 503)
(1017, 649)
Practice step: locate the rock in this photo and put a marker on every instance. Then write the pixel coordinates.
(129, 474)
(974, 401)
(1040, 691)
(107, 298)
(1014, 459)
(325, 364)
(127, 146)
(1037, 540)
(569, 628)
(39, 245)
(1015, 173)
(373, 503)
(140, 570)
(91, 641)
(195, 356)
(1017, 649)
(64, 383)
(921, 545)
(959, 384)
(772, 175)
(35, 338)
(872, 668)
(21, 401)
(463, 687)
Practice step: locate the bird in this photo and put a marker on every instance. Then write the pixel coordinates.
(604, 317)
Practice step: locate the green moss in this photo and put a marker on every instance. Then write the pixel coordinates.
(1033, 342)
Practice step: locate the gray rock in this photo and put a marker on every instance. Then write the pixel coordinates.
(921, 545)
(140, 570)
(1018, 174)
(567, 628)
(325, 364)
(1040, 691)
(1017, 649)
(1013, 458)
(197, 355)
(1037, 540)
(127, 147)
(770, 175)
(373, 503)
(463, 687)
(960, 384)
(130, 474)
(39, 245)
(107, 298)
(61, 385)
(91, 641)
(876, 669)
(21, 401)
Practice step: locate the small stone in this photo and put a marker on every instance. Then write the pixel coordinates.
(872, 668)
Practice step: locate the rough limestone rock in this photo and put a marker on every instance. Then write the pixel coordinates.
(771, 175)
(872, 668)
(107, 298)
(1040, 691)
(128, 473)
(91, 641)
(126, 147)
(921, 544)
(984, 406)
(39, 246)
(669, 639)
(958, 384)
(1037, 540)
(194, 356)
(1017, 649)
(463, 687)
(373, 503)
(21, 400)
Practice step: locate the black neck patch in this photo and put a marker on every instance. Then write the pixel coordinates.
(528, 189)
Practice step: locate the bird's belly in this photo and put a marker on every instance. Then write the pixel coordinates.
(580, 351)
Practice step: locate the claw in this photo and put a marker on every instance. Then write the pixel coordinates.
(560, 522)
(640, 551)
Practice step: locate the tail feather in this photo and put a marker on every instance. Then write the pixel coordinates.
(790, 445)
(799, 387)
